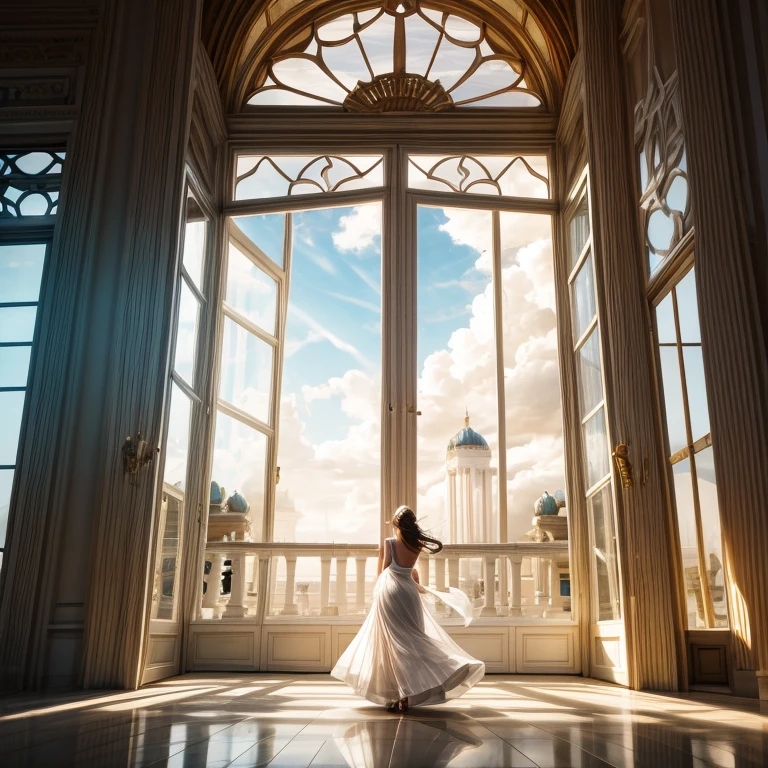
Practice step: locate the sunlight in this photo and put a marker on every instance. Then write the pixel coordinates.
(140, 698)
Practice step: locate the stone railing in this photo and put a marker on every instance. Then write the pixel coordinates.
(529, 580)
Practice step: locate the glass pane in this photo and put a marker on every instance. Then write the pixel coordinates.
(246, 371)
(186, 339)
(590, 373)
(533, 419)
(329, 448)
(596, 448)
(688, 310)
(17, 323)
(456, 358)
(506, 176)
(14, 366)
(21, 271)
(6, 483)
(583, 298)
(710, 524)
(250, 291)
(697, 391)
(239, 456)
(686, 523)
(163, 602)
(673, 399)
(194, 250)
(578, 231)
(665, 321)
(177, 445)
(606, 567)
(267, 232)
(11, 410)
(259, 176)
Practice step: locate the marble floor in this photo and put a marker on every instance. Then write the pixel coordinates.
(302, 720)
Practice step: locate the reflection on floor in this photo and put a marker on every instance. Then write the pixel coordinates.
(301, 720)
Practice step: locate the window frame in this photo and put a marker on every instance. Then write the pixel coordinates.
(27, 230)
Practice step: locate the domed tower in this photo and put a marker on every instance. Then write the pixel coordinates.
(469, 488)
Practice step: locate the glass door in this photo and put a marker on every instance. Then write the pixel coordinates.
(488, 420)
(608, 649)
(178, 476)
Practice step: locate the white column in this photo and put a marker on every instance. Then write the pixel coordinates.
(235, 607)
(515, 597)
(555, 600)
(503, 587)
(489, 582)
(440, 574)
(341, 585)
(252, 589)
(325, 584)
(453, 571)
(289, 607)
(540, 580)
(213, 580)
(360, 584)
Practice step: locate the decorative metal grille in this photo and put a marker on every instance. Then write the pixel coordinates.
(260, 176)
(30, 183)
(397, 57)
(665, 197)
(488, 175)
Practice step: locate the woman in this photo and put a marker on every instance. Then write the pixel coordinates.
(401, 656)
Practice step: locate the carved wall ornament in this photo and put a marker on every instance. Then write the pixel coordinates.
(395, 57)
(40, 51)
(27, 91)
(665, 196)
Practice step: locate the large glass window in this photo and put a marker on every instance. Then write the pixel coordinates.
(388, 57)
(29, 190)
(690, 453)
(184, 399)
(594, 443)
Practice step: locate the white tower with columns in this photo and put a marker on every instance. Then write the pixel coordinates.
(472, 516)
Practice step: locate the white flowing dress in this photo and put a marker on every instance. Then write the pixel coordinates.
(401, 651)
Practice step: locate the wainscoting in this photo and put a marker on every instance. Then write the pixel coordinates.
(238, 645)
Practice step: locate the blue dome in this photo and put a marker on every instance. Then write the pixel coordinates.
(216, 497)
(236, 503)
(467, 437)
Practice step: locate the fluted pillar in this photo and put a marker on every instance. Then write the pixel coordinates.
(733, 344)
(647, 606)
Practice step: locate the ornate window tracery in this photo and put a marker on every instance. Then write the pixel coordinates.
(395, 57)
(260, 176)
(665, 198)
(519, 176)
(30, 183)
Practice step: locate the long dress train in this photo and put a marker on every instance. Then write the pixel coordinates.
(401, 651)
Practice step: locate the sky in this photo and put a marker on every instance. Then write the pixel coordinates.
(330, 408)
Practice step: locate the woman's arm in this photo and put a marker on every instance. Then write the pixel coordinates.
(385, 556)
(415, 575)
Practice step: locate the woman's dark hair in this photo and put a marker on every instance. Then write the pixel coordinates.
(413, 537)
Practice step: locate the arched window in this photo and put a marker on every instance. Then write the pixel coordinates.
(395, 58)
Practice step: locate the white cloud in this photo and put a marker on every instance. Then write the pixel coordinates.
(359, 229)
(324, 333)
(357, 302)
(323, 262)
(334, 480)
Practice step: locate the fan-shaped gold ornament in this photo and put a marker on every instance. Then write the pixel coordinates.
(398, 92)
